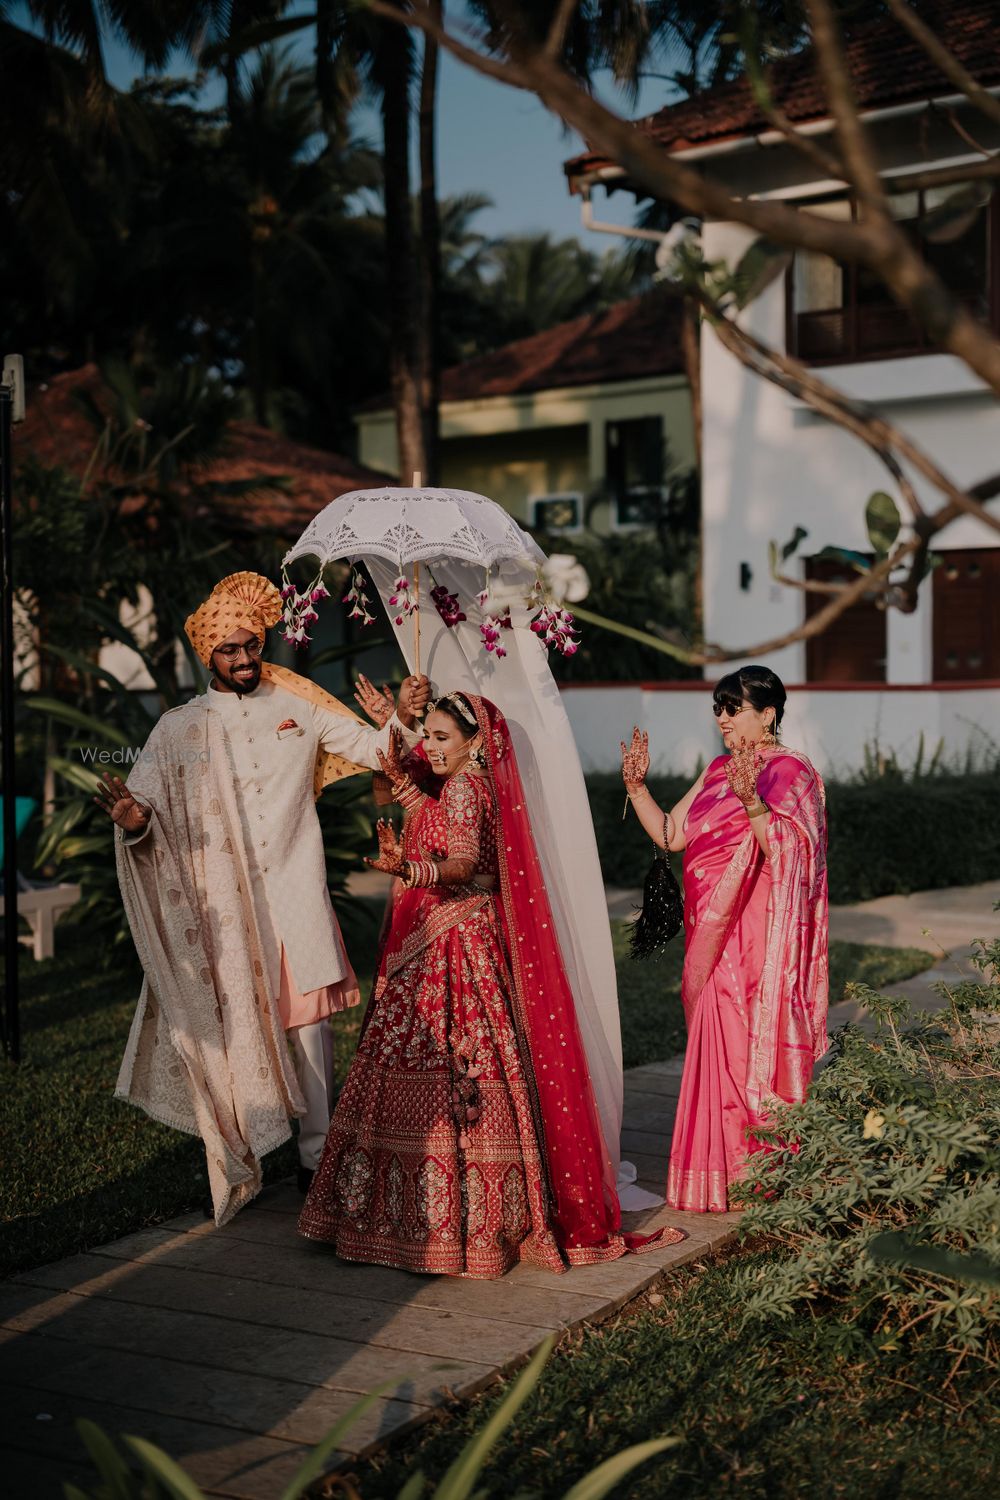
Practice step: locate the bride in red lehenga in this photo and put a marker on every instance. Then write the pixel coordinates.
(466, 1137)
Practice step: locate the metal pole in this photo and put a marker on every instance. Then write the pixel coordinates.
(11, 1016)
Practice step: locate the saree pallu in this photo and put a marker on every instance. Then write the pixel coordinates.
(755, 984)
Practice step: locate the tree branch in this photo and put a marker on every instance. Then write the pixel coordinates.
(556, 39)
(832, 68)
(962, 133)
(946, 61)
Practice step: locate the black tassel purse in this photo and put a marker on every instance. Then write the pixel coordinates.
(662, 914)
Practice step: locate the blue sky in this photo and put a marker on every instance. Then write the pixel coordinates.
(494, 140)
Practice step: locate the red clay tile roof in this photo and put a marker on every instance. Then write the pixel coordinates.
(887, 67)
(57, 431)
(632, 339)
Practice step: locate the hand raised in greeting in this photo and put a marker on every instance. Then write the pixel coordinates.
(742, 769)
(635, 760)
(390, 851)
(114, 798)
(379, 706)
(392, 761)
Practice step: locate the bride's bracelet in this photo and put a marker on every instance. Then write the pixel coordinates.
(406, 793)
(421, 872)
(638, 792)
(756, 808)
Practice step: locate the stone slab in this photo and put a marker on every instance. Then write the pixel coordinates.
(223, 1462)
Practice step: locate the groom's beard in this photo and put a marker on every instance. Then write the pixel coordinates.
(243, 679)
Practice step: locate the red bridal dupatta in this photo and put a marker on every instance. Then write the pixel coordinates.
(756, 981)
(584, 1203)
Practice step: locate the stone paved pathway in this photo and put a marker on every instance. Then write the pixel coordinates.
(236, 1349)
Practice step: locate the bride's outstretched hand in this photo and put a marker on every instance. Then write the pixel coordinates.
(635, 759)
(392, 762)
(390, 851)
(742, 769)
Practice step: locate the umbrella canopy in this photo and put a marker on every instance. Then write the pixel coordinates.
(416, 525)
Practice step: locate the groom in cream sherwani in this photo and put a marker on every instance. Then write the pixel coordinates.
(223, 876)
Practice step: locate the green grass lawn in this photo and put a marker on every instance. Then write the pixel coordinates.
(82, 1168)
(767, 1411)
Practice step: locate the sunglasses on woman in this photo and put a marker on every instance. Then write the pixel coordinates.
(730, 706)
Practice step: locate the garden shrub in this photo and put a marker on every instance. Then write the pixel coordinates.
(882, 833)
(899, 1149)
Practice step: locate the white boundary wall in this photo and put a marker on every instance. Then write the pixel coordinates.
(831, 724)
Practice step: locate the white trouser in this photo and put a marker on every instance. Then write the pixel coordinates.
(312, 1050)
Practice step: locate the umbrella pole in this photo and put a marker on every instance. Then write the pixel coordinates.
(416, 483)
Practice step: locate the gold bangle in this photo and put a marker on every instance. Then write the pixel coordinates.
(755, 809)
(632, 795)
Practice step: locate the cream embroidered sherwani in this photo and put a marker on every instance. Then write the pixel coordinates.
(273, 775)
(270, 771)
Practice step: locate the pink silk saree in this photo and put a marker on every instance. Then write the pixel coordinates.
(755, 984)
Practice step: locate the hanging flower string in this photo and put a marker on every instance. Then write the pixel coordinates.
(402, 600)
(358, 598)
(554, 626)
(447, 606)
(490, 630)
(299, 611)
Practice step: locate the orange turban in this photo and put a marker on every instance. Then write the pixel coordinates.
(243, 601)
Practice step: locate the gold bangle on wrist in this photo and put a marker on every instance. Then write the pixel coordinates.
(632, 795)
(756, 808)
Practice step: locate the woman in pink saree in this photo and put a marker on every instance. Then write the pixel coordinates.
(466, 1137)
(755, 981)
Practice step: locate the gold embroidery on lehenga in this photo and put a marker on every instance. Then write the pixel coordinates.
(433, 1198)
(354, 1182)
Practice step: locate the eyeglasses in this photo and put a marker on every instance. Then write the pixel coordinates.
(230, 652)
(729, 706)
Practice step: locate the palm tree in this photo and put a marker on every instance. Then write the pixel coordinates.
(538, 282)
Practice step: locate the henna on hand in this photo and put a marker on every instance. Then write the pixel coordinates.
(379, 706)
(391, 761)
(390, 851)
(635, 760)
(742, 770)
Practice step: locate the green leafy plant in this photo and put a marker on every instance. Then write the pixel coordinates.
(887, 1205)
(159, 1475)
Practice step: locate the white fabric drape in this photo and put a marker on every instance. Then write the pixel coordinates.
(523, 688)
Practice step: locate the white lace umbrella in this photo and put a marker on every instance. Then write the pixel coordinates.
(407, 527)
(416, 525)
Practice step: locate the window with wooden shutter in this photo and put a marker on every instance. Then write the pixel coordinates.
(853, 648)
(966, 602)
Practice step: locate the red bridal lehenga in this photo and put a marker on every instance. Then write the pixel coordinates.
(466, 1137)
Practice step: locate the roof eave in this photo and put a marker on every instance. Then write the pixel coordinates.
(602, 172)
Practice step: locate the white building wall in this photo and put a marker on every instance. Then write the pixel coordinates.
(834, 727)
(771, 464)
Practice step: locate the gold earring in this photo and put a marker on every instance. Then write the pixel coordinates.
(769, 737)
